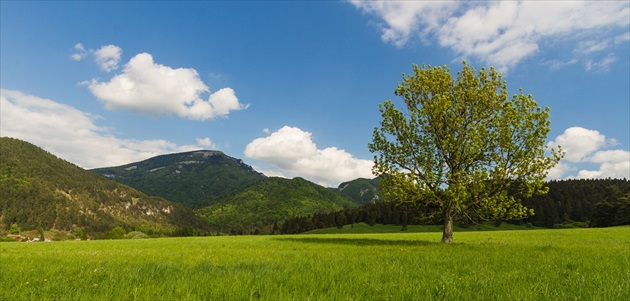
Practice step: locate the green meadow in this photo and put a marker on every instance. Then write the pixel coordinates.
(363, 228)
(568, 264)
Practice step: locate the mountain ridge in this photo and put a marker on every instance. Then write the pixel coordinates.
(242, 204)
(362, 190)
(194, 179)
(61, 195)
(40, 190)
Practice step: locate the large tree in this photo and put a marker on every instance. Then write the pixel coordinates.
(462, 146)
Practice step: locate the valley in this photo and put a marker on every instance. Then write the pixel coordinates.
(206, 192)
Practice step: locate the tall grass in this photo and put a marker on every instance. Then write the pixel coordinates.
(583, 264)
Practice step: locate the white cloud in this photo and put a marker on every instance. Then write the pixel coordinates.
(80, 54)
(500, 33)
(615, 170)
(108, 57)
(612, 156)
(622, 38)
(584, 146)
(72, 134)
(283, 147)
(403, 18)
(557, 64)
(292, 153)
(591, 46)
(602, 65)
(558, 171)
(207, 143)
(578, 143)
(148, 87)
(613, 164)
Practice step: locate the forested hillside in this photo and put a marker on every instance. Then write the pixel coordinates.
(41, 191)
(271, 200)
(194, 179)
(598, 202)
(362, 191)
(569, 203)
(231, 195)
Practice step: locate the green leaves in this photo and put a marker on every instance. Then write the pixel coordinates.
(462, 143)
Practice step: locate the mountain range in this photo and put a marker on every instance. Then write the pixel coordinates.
(198, 190)
(231, 195)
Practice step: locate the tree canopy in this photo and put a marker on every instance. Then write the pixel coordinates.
(462, 145)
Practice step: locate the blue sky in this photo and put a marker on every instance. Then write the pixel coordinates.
(293, 88)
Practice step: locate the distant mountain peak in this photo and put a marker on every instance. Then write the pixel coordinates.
(361, 190)
(193, 178)
(207, 153)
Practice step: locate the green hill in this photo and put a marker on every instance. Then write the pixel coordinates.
(231, 195)
(362, 191)
(41, 191)
(194, 179)
(270, 200)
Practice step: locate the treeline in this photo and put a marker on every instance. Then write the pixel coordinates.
(385, 213)
(569, 203)
(594, 203)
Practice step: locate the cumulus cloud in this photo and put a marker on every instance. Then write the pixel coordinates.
(558, 171)
(207, 143)
(80, 53)
(108, 57)
(291, 152)
(611, 156)
(148, 87)
(500, 33)
(73, 135)
(613, 164)
(588, 146)
(579, 142)
(404, 18)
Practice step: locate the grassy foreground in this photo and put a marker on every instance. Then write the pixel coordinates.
(583, 264)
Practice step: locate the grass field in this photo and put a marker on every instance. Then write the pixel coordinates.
(572, 264)
(364, 228)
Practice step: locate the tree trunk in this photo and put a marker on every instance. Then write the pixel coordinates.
(447, 234)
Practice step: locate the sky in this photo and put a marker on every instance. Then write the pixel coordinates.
(293, 88)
